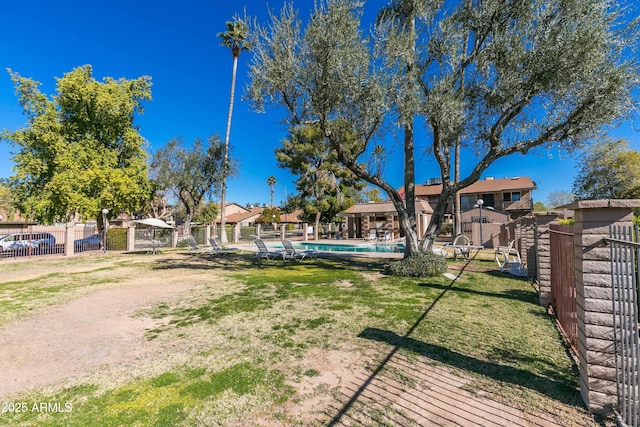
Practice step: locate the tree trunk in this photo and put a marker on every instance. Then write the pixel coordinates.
(457, 212)
(187, 224)
(437, 218)
(223, 193)
(409, 177)
(315, 229)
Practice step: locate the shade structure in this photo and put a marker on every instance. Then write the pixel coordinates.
(154, 222)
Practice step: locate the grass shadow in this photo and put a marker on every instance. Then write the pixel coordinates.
(511, 294)
(248, 261)
(548, 382)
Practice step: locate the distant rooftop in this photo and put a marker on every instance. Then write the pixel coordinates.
(487, 185)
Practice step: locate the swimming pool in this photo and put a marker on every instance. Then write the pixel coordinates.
(364, 248)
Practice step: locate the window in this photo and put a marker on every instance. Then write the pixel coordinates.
(476, 219)
(513, 196)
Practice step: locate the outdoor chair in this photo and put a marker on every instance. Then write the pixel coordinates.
(509, 261)
(386, 237)
(194, 249)
(461, 246)
(290, 252)
(264, 252)
(373, 235)
(216, 249)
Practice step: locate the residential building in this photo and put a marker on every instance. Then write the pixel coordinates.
(512, 195)
(362, 217)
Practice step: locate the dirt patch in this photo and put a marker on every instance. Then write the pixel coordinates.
(83, 335)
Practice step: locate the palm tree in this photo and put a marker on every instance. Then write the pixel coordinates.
(235, 39)
(271, 181)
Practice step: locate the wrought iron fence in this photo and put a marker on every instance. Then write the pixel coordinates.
(563, 285)
(625, 255)
(32, 241)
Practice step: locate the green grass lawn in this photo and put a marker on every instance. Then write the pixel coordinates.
(246, 336)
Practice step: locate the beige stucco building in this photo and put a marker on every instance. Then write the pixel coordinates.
(382, 216)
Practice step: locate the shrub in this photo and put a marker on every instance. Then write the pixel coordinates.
(424, 264)
(117, 239)
(446, 230)
(569, 221)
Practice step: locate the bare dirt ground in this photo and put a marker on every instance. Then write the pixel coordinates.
(102, 329)
(83, 335)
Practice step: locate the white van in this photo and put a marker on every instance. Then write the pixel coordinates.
(13, 242)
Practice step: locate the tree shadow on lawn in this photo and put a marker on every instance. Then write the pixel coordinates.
(248, 261)
(512, 294)
(552, 384)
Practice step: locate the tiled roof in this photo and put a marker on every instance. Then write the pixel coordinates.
(242, 216)
(384, 207)
(482, 186)
(293, 217)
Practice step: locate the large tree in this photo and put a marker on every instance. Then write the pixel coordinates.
(8, 201)
(536, 73)
(608, 170)
(235, 38)
(560, 197)
(322, 181)
(192, 172)
(80, 151)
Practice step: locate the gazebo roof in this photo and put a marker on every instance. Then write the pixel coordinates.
(384, 208)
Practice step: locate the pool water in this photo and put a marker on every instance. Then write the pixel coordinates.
(366, 248)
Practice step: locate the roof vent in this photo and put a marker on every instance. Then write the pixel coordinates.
(489, 178)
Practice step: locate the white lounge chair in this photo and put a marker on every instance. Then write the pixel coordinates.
(290, 252)
(373, 235)
(509, 261)
(194, 249)
(216, 249)
(264, 252)
(461, 246)
(386, 237)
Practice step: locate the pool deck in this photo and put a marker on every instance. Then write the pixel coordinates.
(349, 242)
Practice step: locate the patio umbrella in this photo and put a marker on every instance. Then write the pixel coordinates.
(153, 223)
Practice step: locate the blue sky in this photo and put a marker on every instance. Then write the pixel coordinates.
(175, 43)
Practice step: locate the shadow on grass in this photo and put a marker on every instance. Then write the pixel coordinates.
(248, 261)
(512, 294)
(552, 385)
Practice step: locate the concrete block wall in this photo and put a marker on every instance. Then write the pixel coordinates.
(594, 305)
(543, 254)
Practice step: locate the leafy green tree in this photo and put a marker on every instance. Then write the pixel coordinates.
(235, 38)
(271, 181)
(540, 207)
(536, 74)
(372, 195)
(8, 200)
(192, 173)
(208, 213)
(322, 180)
(269, 216)
(80, 151)
(608, 170)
